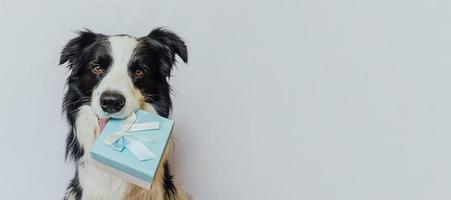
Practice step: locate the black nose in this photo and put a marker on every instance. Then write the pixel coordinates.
(112, 102)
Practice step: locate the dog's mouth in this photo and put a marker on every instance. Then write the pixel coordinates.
(102, 123)
(103, 119)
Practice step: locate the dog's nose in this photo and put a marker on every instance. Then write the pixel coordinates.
(112, 102)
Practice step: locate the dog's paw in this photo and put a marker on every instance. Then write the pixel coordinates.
(87, 127)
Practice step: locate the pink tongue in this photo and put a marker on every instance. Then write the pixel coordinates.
(102, 123)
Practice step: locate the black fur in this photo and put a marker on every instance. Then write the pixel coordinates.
(168, 182)
(78, 53)
(74, 188)
(155, 55)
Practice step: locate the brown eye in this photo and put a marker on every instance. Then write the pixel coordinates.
(138, 73)
(97, 69)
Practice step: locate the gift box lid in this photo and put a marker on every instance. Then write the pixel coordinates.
(124, 160)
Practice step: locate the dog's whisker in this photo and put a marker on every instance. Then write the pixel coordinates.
(81, 100)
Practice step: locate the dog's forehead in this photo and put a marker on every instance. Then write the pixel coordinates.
(122, 48)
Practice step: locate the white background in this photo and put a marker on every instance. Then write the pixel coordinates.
(304, 99)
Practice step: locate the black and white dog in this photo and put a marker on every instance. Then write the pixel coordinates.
(110, 77)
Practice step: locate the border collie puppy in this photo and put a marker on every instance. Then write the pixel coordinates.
(110, 77)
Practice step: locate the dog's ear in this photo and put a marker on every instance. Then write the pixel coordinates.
(75, 46)
(168, 45)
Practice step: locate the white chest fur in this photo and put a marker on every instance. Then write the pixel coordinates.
(100, 185)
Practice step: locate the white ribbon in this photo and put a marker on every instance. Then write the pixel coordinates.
(134, 143)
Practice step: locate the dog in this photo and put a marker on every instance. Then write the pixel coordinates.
(110, 77)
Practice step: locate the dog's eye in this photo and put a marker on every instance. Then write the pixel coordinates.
(97, 69)
(138, 73)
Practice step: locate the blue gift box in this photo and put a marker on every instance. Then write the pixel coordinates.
(134, 154)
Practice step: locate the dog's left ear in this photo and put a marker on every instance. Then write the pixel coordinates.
(168, 45)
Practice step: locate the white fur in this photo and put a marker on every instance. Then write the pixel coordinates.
(117, 78)
(96, 183)
(86, 126)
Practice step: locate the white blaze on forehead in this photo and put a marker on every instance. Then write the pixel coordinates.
(117, 77)
(122, 48)
(121, 51)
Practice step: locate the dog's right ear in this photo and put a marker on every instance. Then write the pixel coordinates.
(71, 52)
